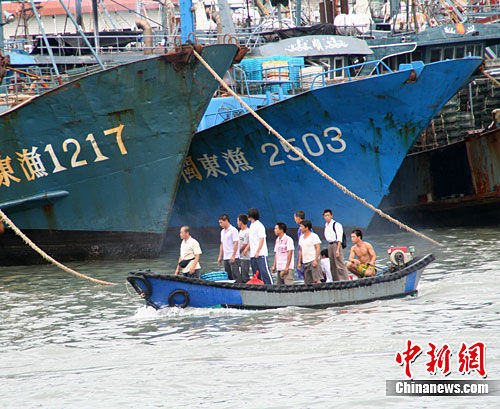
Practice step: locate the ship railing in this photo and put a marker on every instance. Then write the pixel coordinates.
(324, 76)
(73, 45)
(291, 79)
(24, 84)
(285, 77)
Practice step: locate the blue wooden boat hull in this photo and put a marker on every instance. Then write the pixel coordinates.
(358, 132)
(170, 290)
(108, 150)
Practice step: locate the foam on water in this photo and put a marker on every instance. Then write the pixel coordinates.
(65, 343)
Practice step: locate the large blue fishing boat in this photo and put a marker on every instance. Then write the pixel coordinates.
(90, 168)
(358, 132)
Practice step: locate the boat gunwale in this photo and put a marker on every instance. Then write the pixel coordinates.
(417, 264)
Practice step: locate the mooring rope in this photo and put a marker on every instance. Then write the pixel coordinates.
(26, 239)
(309, 162)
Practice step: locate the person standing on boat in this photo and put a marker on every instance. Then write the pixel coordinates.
(364, 264)
(190, 255)
(229, 249)
(244, 252)
(283, 258)
(325, 266)
(258, 247)
(298, 217)
(333, 235)
(309, 253)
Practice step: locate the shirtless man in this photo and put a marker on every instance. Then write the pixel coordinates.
(364, 264)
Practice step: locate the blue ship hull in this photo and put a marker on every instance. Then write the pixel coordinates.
(358, 132)
(161, 290)
(91, 168)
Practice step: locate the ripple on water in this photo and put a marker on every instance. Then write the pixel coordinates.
(60, 334)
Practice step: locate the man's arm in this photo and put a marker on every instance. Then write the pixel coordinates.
(221, 251)
(318, 252)
(245, 248)
(178, 266)
(261, 243)
(235, 250)
(337, 252)
(194, 263)
(352, 255)
(289, 260)
(300, 258)
(373, 256)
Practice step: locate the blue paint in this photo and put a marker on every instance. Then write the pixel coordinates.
(187, 20)
(410, 281)
(199, 295)
(379, 118)
(159, 108)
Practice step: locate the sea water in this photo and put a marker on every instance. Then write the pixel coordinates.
(68, 343)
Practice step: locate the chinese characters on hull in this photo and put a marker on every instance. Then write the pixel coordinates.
(236, 161)
(32, 165)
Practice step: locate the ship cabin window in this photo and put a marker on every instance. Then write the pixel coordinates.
(338, 62)
(448, 53)
(469, 50)
(460, 52)
(478, 50)
(417, 55)
(402, 59)
(436, 54)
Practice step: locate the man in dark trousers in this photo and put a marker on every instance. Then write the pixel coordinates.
(333, 235)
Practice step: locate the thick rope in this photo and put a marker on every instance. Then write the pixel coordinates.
(3, 217)
(311, 164)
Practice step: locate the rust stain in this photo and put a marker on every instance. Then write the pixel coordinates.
(73, 122)
(381, 97)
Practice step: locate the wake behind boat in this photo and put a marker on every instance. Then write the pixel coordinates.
(162, 290)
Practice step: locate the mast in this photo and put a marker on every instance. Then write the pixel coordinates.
(1, 28)
(96, 25)
(187, 20)
(298, 7)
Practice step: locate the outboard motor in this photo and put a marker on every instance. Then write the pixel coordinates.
(400, 256)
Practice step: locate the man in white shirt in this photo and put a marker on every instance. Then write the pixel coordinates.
(190, 255)
(258, 247)
(229, 249)
(283, 255)
(333, 235)
(325, 266)
(244, 253)
(309, 253)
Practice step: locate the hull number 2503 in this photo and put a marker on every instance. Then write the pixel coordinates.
(313, 146)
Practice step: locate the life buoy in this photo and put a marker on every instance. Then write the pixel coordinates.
(173, 294)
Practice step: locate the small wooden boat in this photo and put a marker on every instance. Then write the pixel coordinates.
(161, 290)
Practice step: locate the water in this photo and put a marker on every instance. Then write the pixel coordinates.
(66, 343)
